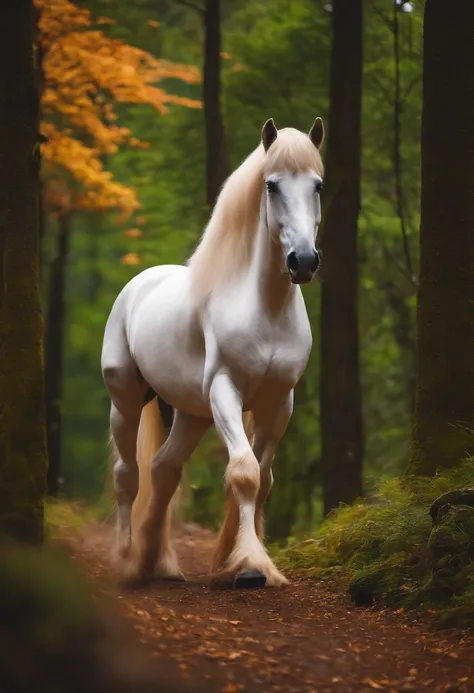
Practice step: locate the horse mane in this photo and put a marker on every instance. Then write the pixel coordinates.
(226, 245)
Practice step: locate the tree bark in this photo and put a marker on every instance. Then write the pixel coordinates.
(444, 410)
(342, 441)
(39, 83)
(54, 353)
(22, 431)
(217, 164)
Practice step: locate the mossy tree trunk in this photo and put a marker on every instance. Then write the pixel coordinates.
(444, 409)
(22, 430)
(217, 164)
(342, 441)
(54, 352)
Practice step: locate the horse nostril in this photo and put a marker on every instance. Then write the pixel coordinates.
(315, 261)
(292, 261)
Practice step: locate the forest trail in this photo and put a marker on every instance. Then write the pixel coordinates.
(304, 638)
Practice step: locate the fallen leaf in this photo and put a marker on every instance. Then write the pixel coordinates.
(372, 684)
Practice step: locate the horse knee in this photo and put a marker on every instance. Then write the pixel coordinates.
(243, 475)
(125, 481)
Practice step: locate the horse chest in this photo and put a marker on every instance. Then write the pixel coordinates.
(265, 352)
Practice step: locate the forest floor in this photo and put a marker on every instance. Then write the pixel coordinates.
(304, 638)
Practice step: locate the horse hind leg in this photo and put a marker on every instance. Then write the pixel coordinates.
(152, 553)
(124, 429)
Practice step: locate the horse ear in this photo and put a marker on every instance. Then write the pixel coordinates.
(269, 134)
(316, 134)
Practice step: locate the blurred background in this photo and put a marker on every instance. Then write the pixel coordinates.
(147, 106)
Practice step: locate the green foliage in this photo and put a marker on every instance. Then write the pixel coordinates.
(60, 514)
(387, 549)
(54, 638)
(47, 622)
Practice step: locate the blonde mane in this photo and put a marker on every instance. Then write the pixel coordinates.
(226, 245)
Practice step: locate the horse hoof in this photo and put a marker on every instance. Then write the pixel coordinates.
(245, 579)
(249, 580)
(134, 582)
(173, 578)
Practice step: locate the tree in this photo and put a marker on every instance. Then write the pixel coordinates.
(86, 73)
(217, 164)
(444, 410)
(22, 433)
(341, 408)
(56, 306)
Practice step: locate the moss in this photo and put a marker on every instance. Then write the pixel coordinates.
(54, 638)
(48, 629)
(387, 550)
(73, 516)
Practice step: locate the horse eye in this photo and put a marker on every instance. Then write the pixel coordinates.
(272, 187)
(319, 186)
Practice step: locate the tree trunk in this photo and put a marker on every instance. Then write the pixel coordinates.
(22, 431)
(39, 83)
(444, 410)
(342, 441)
(217, 164)
(54, 353)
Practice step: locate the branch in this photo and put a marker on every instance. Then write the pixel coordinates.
(381, 15)
(408, 89)
(191, 5)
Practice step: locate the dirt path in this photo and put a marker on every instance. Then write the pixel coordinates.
(300, 639)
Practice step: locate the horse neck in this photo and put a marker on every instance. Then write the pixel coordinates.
(273, 285)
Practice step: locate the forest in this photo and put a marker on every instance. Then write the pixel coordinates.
(121, 121)
(271, 62)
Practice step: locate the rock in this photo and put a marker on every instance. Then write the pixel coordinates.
(442, 504)
(362, 592)
(451, 548)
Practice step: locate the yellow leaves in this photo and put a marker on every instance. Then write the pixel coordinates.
(130, 259)
(85, 166)
(134, 233)
(104, 20)
(86, 72)
(153, 23)
(239, 68)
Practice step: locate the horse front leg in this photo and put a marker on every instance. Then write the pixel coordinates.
(270, 427)
(240, 554)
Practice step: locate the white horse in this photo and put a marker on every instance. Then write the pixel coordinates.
(226, 334)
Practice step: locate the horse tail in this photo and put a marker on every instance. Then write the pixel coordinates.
(151, 436)
(249, 425)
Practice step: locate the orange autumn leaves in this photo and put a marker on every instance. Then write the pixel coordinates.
(85, 73)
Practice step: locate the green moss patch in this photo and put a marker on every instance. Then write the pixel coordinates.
(388, 549)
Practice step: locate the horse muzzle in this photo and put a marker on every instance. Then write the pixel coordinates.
(302, 265)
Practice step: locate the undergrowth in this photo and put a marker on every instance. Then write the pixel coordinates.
(387, 550)
(60, 515)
